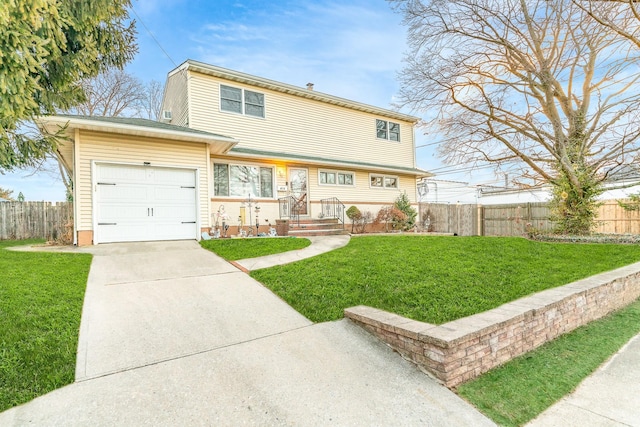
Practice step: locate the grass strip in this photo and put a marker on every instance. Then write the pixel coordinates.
(517, 392)
(235, 249)
(435, 279)
(41, 296)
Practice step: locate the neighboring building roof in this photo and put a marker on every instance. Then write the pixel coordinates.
(261, 154)
(137, 127)
(625, 173)
(4, 200)
(261, 82)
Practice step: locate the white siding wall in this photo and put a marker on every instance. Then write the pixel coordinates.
(176, 99)
(123, 149)
(297, 125)
(65, 148)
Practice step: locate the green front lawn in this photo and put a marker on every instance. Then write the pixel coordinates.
(517, 392)
(235, 249)
(435, 279)
(41, 297)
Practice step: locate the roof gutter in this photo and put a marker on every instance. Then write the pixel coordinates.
(246, 153)
(53, 124)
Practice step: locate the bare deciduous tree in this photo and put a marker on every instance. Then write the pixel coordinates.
(538, 87)
(602, 13)
(152, 102)
(114, 93)
(111, 94)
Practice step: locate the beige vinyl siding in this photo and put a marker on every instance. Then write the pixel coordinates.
(297, 125)
(176, 99)
(361, 194)
(124, 149)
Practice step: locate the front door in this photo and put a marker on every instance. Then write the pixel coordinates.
(298, 180)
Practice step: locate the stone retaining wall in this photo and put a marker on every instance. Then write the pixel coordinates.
(458, 351)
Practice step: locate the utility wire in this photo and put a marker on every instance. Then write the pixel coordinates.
(152, 36)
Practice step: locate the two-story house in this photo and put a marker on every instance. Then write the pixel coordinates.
(227, 138)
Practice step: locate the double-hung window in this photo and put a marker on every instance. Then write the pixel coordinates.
(241, 101)
(387, 130)
(242, 180)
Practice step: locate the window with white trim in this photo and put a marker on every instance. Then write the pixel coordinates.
(383, 181)
(329, 177)
(387, 130)
(241, 101)
(231, 180)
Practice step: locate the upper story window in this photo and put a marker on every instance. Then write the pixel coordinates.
(241, 101)
(387, 130)
(326, 177)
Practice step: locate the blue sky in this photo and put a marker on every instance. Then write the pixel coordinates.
(349, 48)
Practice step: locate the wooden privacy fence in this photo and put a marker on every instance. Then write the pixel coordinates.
(613, 219)
(36, 220)
(448, 218)
(512, 219)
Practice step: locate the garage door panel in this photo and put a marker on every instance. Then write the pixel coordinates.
(122, 212)
(177, 177)
(178, 214)
(124, 232)
(124, 192)
(121, 173)
(139, 203)
(182, 195)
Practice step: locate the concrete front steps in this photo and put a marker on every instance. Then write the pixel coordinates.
(316, 227)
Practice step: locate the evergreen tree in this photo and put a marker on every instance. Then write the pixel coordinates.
(46, 48)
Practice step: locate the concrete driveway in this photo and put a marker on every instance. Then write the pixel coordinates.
(173, 335)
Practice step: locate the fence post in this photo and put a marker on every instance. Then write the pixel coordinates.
(480, 216)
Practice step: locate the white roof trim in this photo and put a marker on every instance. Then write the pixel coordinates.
(337, 164)
(53, 123)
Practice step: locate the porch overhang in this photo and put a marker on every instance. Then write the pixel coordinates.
(247, 153)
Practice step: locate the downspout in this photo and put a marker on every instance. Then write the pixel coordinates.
(209, 221)
(413, 141)
(76, 199)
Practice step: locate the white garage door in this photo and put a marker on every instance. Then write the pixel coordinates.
(142, 203)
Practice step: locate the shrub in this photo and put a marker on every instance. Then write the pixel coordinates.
(403, 204)
(354, 214)
(632, 205)
(393, 215)
(362, 221)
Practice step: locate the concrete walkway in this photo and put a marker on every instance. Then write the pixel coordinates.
(319, 245)
(609, 397)
(173, 335)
